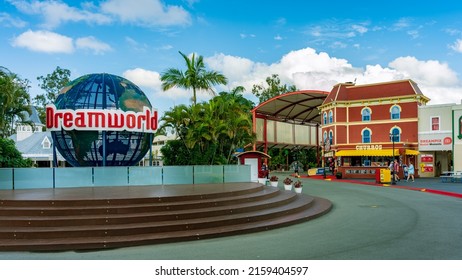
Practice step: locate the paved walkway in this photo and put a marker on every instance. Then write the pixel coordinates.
(433, 185)
(367, 222)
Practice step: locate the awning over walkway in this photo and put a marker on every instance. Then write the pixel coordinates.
(296, 107)
(412, 152)
(358, 153)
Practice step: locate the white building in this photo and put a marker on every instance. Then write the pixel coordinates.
(35, 144)
(157, 157)
(440, 145)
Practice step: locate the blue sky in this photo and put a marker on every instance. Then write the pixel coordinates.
(311, 44)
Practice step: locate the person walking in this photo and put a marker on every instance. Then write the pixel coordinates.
(410, 171)
(396, 169)
(296, 170)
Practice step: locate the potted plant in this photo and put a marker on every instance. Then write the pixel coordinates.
(262, 176)
(338, 175)
(298, 186)
(287, 183)
(274, 181)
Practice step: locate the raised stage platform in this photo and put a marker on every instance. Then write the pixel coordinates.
(109, 217)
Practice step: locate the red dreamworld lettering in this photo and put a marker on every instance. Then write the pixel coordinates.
(100, 119)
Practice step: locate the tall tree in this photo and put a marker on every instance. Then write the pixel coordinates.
(273, 88)
(209, 131)
(14, 101)
(51, 84)
(236, 95)
(195, 77)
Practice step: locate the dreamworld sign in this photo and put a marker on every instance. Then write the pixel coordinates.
(100, 119)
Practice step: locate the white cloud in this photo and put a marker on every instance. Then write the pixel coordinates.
(55, 12)
(243, 35)
(338, 45)
(457, 46)
(147, 12)
(337, 30)
(165, 48)
(310, 70)
(414, 34)
(8, 21)
(93, 44)
(51, 42)
(136, 46)
(144, 78)
(142, 12)
(430, 72)
(307, 69)
(359, 28)
(44, 41)
(402, 24)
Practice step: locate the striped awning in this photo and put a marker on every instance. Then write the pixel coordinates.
(358, 153)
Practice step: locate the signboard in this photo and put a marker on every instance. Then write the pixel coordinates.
(426, 163)
(99, 119)
(435, 142)
(369, 147)
(426, 158)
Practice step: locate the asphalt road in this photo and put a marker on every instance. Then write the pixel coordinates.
(366, 223)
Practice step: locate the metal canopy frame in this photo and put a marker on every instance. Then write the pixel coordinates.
(298, 107)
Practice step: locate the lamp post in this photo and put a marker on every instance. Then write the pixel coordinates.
(392, 136)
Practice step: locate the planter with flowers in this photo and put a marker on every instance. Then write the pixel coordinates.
(262, 176)
(298, 187)
(274, 181)
(288, 184)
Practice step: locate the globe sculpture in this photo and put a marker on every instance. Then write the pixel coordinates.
(101, 147)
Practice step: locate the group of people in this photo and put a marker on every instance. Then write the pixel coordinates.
(394, 168)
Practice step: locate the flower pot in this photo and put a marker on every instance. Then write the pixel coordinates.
(298, 190)
(274, 184)
(262, 181)
(287, 187)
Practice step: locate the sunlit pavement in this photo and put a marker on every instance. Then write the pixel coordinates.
(368, 221)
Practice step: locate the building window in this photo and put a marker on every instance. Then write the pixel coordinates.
(325, 118)
(395, 113)
(435, 123)
(331, 117)
(366, 114)
(46, 144)
(331, 137)
(366, 136)
(396, 134)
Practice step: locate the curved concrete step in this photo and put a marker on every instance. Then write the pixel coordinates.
(188, 214)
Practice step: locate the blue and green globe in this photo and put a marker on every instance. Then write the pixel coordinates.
(85, 148)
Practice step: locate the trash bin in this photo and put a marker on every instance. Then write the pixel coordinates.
(377, 175)
(385, 175)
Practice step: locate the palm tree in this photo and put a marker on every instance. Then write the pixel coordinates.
(14, 101)
(178, 120)
(196, 77)
(235, 95)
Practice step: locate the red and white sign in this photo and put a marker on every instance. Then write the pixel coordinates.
(435, 142)
(99, 119)
(426, 158)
